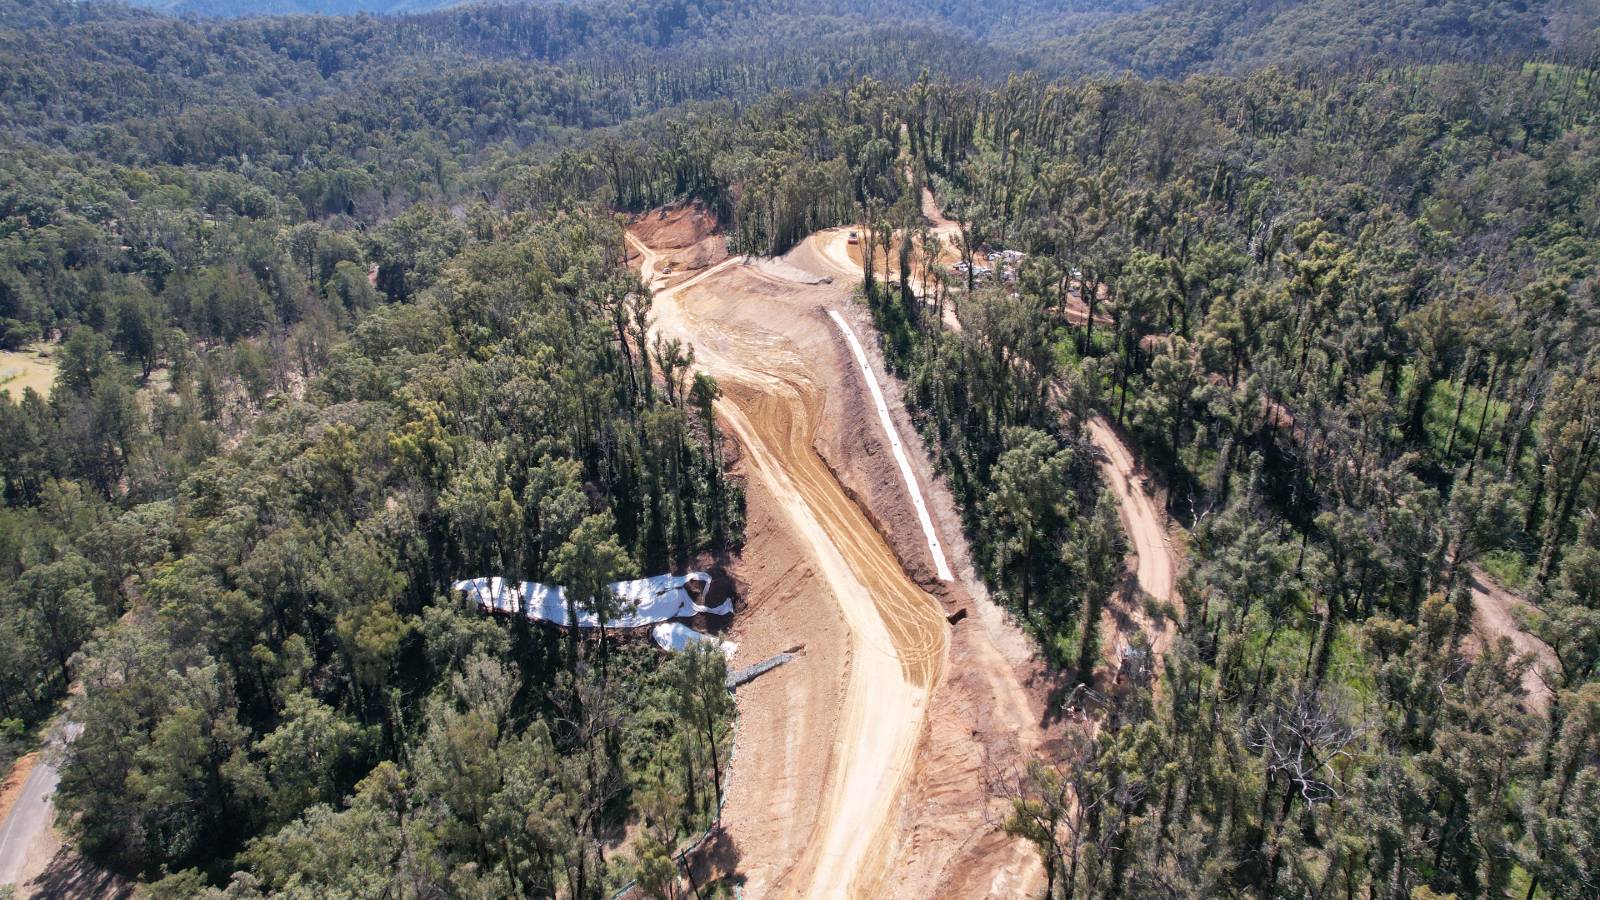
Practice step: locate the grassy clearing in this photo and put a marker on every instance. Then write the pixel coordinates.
(1507, 567)
(34, 367)
(1560, 74)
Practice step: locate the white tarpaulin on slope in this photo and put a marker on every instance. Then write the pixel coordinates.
(641, 602)
(676, 636)
(939, 562)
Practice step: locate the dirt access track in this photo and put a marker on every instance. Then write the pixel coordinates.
(1150, 543)
(1495, 612)
(33, 859)
(863, 768)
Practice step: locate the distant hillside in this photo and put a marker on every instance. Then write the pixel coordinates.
(190, 90)
(1183, 36)
(241, 8)
(1147, 37)
(1014, 16)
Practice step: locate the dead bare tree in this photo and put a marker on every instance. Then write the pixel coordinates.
(1301, 742)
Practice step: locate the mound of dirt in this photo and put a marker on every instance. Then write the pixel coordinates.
(675, 227)
(686, 236)
(702, 255)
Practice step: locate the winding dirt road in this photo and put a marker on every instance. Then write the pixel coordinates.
(897, 633)
(1156, 565)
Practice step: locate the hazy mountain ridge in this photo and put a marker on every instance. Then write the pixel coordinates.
(1238, 35)
(1161, 38)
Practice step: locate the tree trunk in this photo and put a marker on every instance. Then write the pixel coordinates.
(1089, 297)
(1483, 419)
(1461, 403)
(1563, 510)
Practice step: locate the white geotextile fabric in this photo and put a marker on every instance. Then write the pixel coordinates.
(900, 457)
(676, 636)
(644, 601)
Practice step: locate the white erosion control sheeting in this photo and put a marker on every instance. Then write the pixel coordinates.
(641, 602)
(675, 637)
(897, 447)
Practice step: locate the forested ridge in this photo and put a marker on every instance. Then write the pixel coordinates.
(339, 313)
(1351, 326)
(164, 64)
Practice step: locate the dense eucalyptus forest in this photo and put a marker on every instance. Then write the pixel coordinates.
(338, 310)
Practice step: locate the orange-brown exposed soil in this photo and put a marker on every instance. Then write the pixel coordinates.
(870, 755)
(12, 786)
(684, 237)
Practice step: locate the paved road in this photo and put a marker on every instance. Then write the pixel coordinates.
(31, 817)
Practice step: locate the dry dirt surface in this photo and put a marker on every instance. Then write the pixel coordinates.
(829, 253)
(684, 237)
(1494, 615)
(1076, 312)
(869, 756)
(946, 229)
(1156, 565)
(30, 368)
(11, 788)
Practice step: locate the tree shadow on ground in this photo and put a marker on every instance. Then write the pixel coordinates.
(716, 860)
(70, 875)
(1065, 699)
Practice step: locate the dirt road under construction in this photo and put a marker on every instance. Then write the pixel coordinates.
(867, 769)
(864, 767)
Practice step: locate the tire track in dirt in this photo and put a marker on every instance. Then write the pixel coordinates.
(984, 725)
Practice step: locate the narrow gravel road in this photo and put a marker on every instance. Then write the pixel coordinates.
(27, 828)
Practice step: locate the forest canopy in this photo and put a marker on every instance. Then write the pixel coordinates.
(339, 309)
